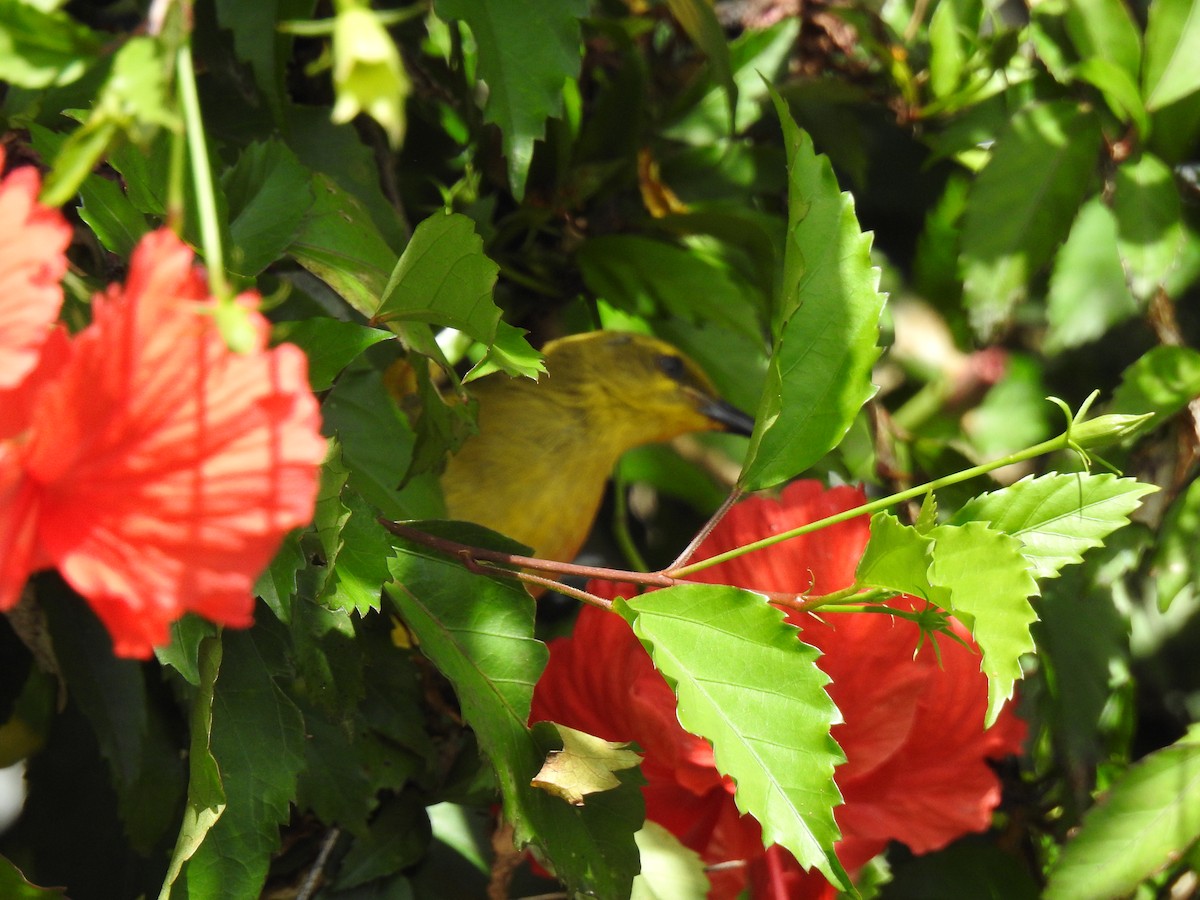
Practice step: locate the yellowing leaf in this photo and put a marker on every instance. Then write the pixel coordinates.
(585, 765)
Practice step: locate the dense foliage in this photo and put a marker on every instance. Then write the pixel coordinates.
(419, 196)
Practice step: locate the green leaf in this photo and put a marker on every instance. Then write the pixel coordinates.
(1150, 233)
(113, 219)
(1022, 205)
(524, 60)
(80, 154)
(1058, 517)
(276, 586)
(479, 633)
(754, 55)
(260, 43)
(336, 784)
(510, 353)
(1163, 381)
(42, 47)
(1174, 564)
(206, 796)
(444, 278)
(975, 866)
(747, 684)
(258, 744)
(13, 884)
(340, 244)
(132, 103)
(356, 555)
(1083, 651)
(898, 557)
(700, 22)
(1014, 414)
(1172, 66)
(377, 442)
(973, 572)
(1119, 89)
(669, 869)
(269, 194)
(1150, 816)
(990, 586)
(1088, 291)
(1105, 29)
(826, 323)
(948, 51)
(647, 277)
(398, 837)
(340, 155)
(329, 344)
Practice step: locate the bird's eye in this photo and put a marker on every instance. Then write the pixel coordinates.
(671, 366)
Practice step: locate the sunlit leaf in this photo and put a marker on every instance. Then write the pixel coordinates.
(1162, 380)
(41, 47)
(1172, 66)
(206, 796)
(329, 344)
(990, 585)
(585, 765)
(524, 60)
(1148, 818)
(1105, 29)
(340, 244)
(755, 54)
(14, 886)
(269, 193)
(826, 323)
(700, 22)
(444, 278)
(669, 869)
(258, 744)
(1022, 205)
(898, 558)
(355, 544)
(1150, 234)
(1174, 564)
(1058, 517)
(1088, 291)
(479, 633)
(748, 685)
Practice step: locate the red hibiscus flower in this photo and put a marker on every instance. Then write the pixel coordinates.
(913, 733)
(156, 469)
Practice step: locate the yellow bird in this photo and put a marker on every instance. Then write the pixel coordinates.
(604, 392)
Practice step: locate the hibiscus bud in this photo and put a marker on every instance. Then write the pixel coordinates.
(1104, 430)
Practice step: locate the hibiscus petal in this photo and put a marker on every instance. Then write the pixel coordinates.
(33, 241)
(169, 467)
(913, 735)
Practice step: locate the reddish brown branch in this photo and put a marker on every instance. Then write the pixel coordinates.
(480, 559)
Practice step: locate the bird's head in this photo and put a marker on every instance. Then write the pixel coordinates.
(646, 389)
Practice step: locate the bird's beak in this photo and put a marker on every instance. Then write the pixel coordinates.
(729, 416)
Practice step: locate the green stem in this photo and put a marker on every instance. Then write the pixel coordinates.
(621, 525)
(210, 233)
(1056, 443)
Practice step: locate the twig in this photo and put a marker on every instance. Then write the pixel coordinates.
(704, 532)
(313, 879)
(477, 558)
